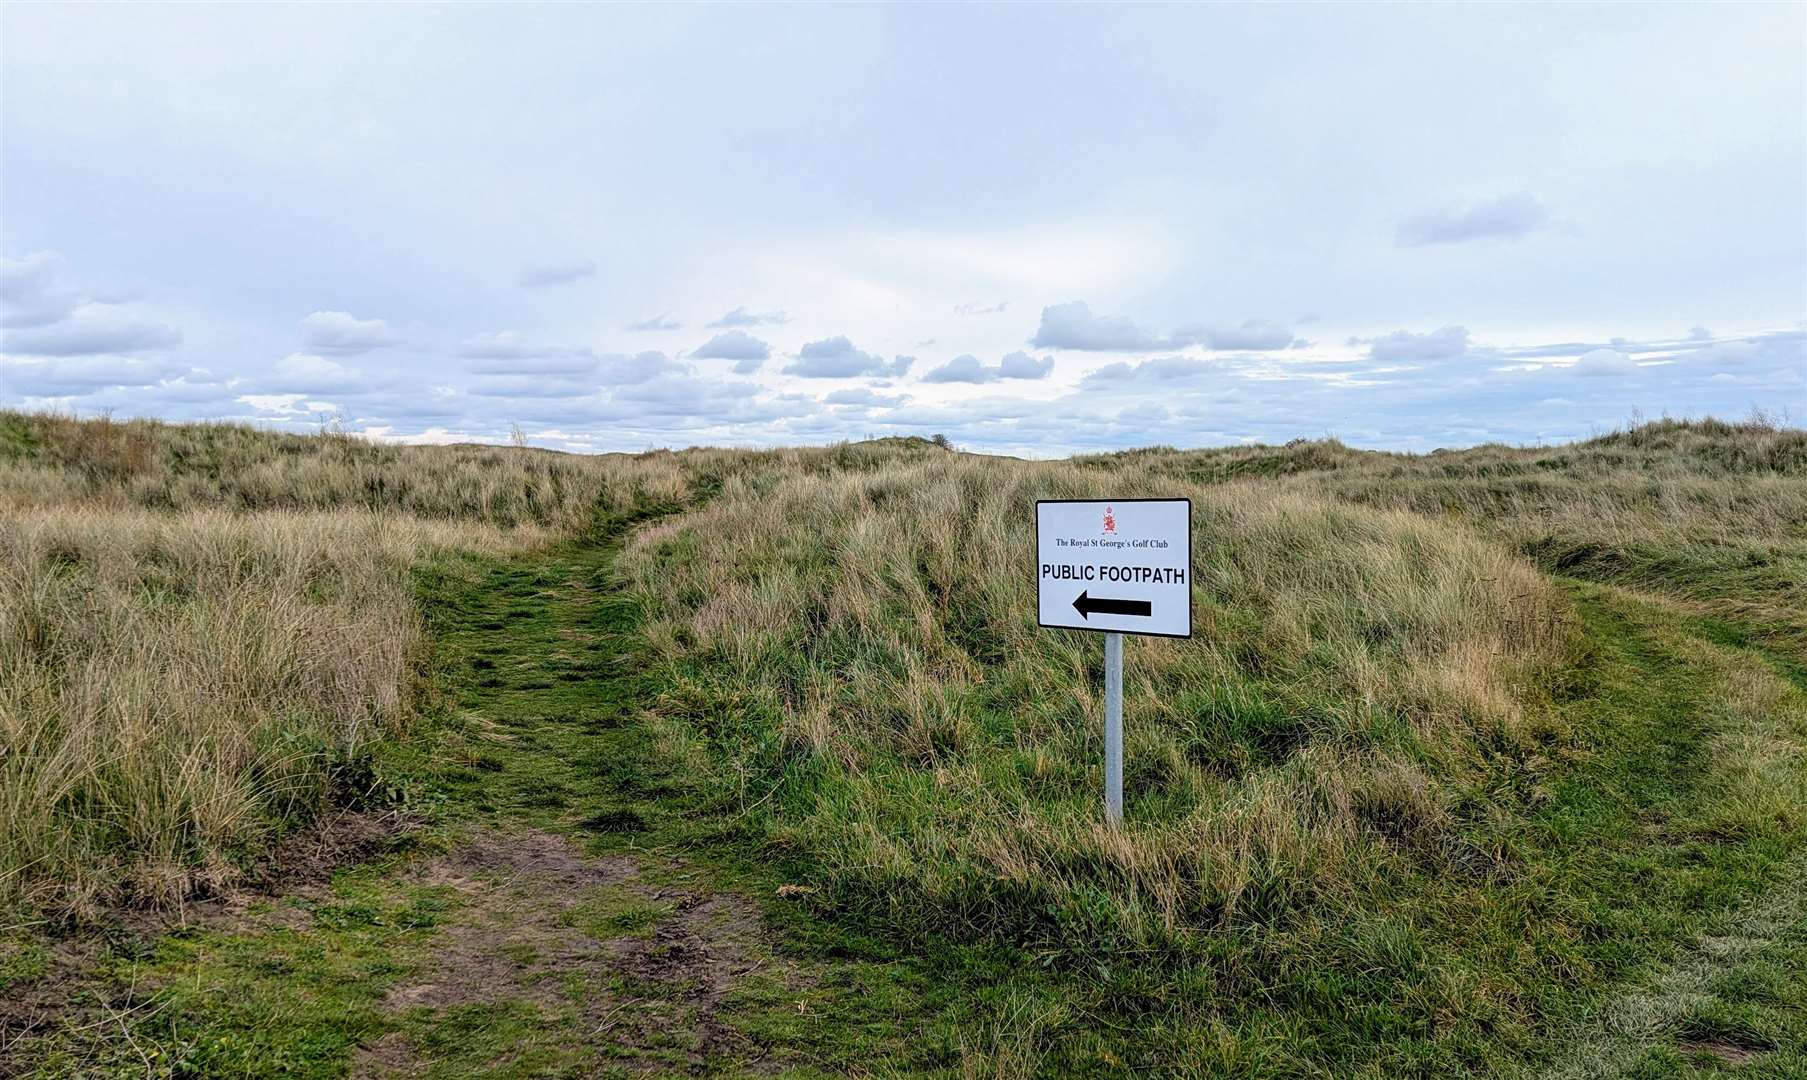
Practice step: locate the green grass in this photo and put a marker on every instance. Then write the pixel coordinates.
(1604, 880)
(520, 748)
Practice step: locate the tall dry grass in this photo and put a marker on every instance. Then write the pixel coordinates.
(860, 648)
(204, 628)
(172, 687)
(852, 641)
(50, 460)
(1708, 513)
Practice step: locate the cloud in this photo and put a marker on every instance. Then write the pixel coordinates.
(65, 377)
(1604, 362)
(1020, 365)
(1159, 369)
(1781, 351)
(735, 345)
(1445, 343)
(31, 293)
(968, 369)
(1508, 217)
(961, 369)
(533, 387)
(544, 274)
(981, 309)
(314, 374)
(657, 322)
(1699, 333)
(92, 330)
(1728, 354)
(338, 332)
(506, 353)
(671, 394)
(1254, 335)
(1073, 326)
(740, 316)
(863, 397)
(836, 358)
(276, 403)
(618, 369)
(42, 315)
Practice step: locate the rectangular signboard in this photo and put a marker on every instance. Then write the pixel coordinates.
(1115, 564)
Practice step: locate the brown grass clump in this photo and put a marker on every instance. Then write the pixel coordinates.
(205, 629)
(172, 686)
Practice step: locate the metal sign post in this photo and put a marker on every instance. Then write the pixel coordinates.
(1113, 727)
(1136, 555)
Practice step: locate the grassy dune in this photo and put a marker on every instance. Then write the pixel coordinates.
(1477, 761)
(206, 632)
(862, 650)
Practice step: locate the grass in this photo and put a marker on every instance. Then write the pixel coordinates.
(875, 681)
(207, 632)
(1481, 762)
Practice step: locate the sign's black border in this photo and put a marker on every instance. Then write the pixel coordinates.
(1036, 565)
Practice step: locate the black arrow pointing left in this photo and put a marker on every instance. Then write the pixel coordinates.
(1105, 605)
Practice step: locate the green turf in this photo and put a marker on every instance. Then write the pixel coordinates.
(1596, 916)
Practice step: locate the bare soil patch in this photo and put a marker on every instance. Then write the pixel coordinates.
(66, 996)
(520, 934)
(39, 1006)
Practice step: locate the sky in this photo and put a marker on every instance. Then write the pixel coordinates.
(1036, 230)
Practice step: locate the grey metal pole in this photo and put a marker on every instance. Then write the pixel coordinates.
(1113, 727)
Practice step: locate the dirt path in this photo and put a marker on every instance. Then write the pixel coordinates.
(553, 909)
(628, 959)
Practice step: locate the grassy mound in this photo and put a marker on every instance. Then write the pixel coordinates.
(48, 460)
(206, 629)
(858, 655)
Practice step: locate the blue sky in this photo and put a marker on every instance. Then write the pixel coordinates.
(1037, 230)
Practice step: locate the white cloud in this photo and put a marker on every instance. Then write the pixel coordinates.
(42, 314)
(314, 374)
(1020, 365)
(961, 369)
(749, 351)
(1254, 335)
(861, 396)
(1159, 369)
(529, 387)
(617, 369)
(657, 322)
(1508, 217)
(63, 377)
(1445, 343)
(340, 333)
(1073, 326)
(32, 293)
(275, 403)
(740, 316)
(981, 309)
(968, 369)
(507, 353)
(544, 274)
(1604, 362)
(91, 330)
(836, 358)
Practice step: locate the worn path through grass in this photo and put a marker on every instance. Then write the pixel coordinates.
(564, 911)
(1704, 899)
(563, 901)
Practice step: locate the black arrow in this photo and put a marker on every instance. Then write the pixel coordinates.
(1085, 605)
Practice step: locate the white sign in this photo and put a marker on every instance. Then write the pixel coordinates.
(1121, 565)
